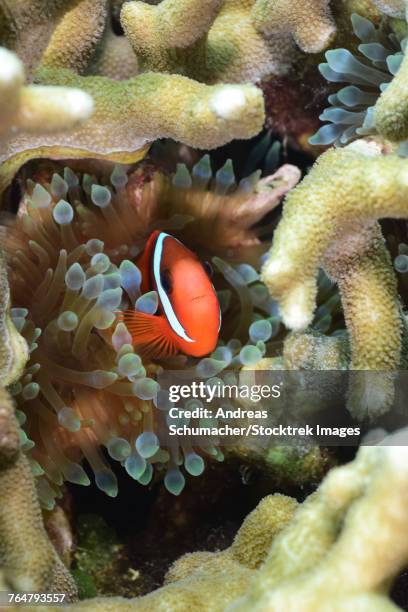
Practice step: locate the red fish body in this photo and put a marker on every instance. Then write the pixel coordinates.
(189, 318)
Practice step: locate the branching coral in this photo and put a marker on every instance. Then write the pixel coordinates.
(344, 517)
(13, 349)
(27, 27)
(314, 351)
(34, 112)
(338, 550)
(124, 124)
(233, 41)
(311, 34)
(391, 110)
(192, 578)
(71, 251)
(34, 108)
(27, 558)
(393, 8)
(228, 40)
(129, 114)
(330, 221)
(159, 33)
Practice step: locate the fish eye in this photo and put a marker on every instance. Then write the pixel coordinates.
(165, 279)
(208, 268)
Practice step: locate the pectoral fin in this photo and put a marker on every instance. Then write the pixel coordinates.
(151, 334)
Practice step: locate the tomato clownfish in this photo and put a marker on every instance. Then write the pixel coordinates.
(189, 315)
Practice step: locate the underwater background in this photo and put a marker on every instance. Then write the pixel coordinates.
(270, 138)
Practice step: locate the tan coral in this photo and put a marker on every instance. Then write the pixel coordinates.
(311, 34)
(130, 115)
(345, 543)
(157, 32)
(393, 8)
(67, 32)
(338, 550)
(230, 40)
(9, 435)
(13, 348)
(329, 220)
(247, 40)
(35, 108)
(27, 558)
(75, 34)
(198, 581)
(252, 542)
(114, 58)
(391, 109)
(75, 40)
(79, 28)
(314, 351)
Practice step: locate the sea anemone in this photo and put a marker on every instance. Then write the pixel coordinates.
(351, 110)
(71, 250)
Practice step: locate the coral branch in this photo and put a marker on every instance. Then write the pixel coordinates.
(391, 109)
(368, 289)
(393, 8)
(9, 435)
(338, 550)
(310, 34)
(197, 581)
(155, 30)
(329, 221)
(34, 108)
(13, 348)
(129, 115)
(76, 35)
(27, 557)
(228, 41)
(355, 520)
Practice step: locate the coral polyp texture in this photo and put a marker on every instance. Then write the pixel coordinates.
(390, 112)
(393, 8)
(105, 106)
(71, 251)
(27, 557)
(222, 41)
(226, 40)
(35, 108)
(325, 553)
(75, 40)
(14, 350)
(122, 126)
(375, 101)
(330, 221)
(335, 533)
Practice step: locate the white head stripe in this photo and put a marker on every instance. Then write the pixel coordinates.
(219, 310)
(167, 307)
